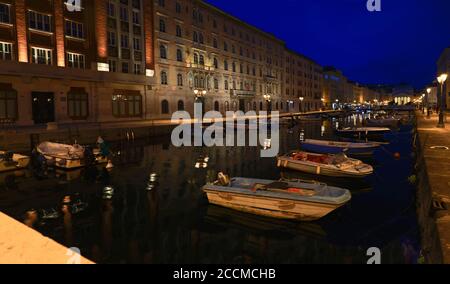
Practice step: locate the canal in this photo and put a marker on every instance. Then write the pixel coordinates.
(150, 208)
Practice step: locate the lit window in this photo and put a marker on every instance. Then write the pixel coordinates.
(164, 78)
(75, 60)
(41, 56)
(5, 51)
(127, 105)
(74, 29)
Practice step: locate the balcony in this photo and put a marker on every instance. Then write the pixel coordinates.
(243, 93)
(201, 67)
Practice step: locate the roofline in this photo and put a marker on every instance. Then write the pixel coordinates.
(231, 17)
(302, 55)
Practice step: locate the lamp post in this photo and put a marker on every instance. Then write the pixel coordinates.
(427, 102)
(323, 103)
(422, 99)
(441, 80)
(301, 103)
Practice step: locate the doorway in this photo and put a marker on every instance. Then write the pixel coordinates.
(43, 107)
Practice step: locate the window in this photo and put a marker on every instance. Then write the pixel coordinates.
(136, 18)
(215, 43)
(124, 41)
(214, 23)
(200, 38)
(180, 105)
(39, 21)
(216, 84)
(216, 63)
(127, 105)
(225, 65)
(165, 107)
(137, 69)
(111, 9)
(234, 67)
(163, 51)
(195, 36)
(5, 51)
(75, 60)
(162, 26)
(179, 80)
(124, 14)
(74, 29)
(163, 78)
(195, 58)
(125, 67)
(226, 85)
(178, 31)
(179, 55)
(112, 39)
(216, 106)
(137, 44)
(77, 104)
(178, 8)
(161, 3)
(202, 60)
(8, 104)
(41, 56)
(4, 13)
(225, 46)
(112, 65)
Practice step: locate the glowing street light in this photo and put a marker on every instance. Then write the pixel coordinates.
(427, 98)
(301, 103)
(441, 80)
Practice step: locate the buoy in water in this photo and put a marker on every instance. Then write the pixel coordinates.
(397, 155)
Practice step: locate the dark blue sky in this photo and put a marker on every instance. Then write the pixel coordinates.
(399, 44)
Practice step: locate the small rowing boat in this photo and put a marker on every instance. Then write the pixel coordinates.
(11, 161)
(325, 164)
(336, 147)
(278, 199)
(69, 156)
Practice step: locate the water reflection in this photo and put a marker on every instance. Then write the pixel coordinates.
(150, 208)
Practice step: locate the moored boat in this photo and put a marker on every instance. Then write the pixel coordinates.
(383, 122)
(325, 164)
(362, 131)
(336, 147)
(69, 156)
(278, 199)
(12, 161)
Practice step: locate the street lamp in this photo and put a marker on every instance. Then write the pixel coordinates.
(301, 103)
(422, 98)
(427, 98)
(441, 80)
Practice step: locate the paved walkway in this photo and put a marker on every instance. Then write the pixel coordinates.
(20, 244)
(436, 151)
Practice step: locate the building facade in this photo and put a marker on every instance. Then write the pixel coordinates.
(302, 83)
(205, 55)
(54, 61)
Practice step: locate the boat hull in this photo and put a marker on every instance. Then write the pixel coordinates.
(273, 207)
(18, 162)
(318, 169)
(327, 149)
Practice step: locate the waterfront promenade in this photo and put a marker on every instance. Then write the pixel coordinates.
(434, 188)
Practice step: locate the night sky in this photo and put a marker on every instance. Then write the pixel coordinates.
(400, 44)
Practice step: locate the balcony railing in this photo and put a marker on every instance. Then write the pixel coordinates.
(243, 93)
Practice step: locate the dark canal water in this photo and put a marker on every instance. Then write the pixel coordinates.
(172, 223)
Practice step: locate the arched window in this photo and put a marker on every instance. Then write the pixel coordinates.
(195, 58)
(234, 66)
(227, 106)
(163, 78)
(163, 51)
(216, 63)
(226, 84)
(165, 107)
(200, 38)
(216, 84)
(162, 26)
(180, 80)
(180, 105)
(179, 55)
(196, 82)
(202, 60)
(234, 85)
(225, 65)
(216, 106)
(178, 31)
